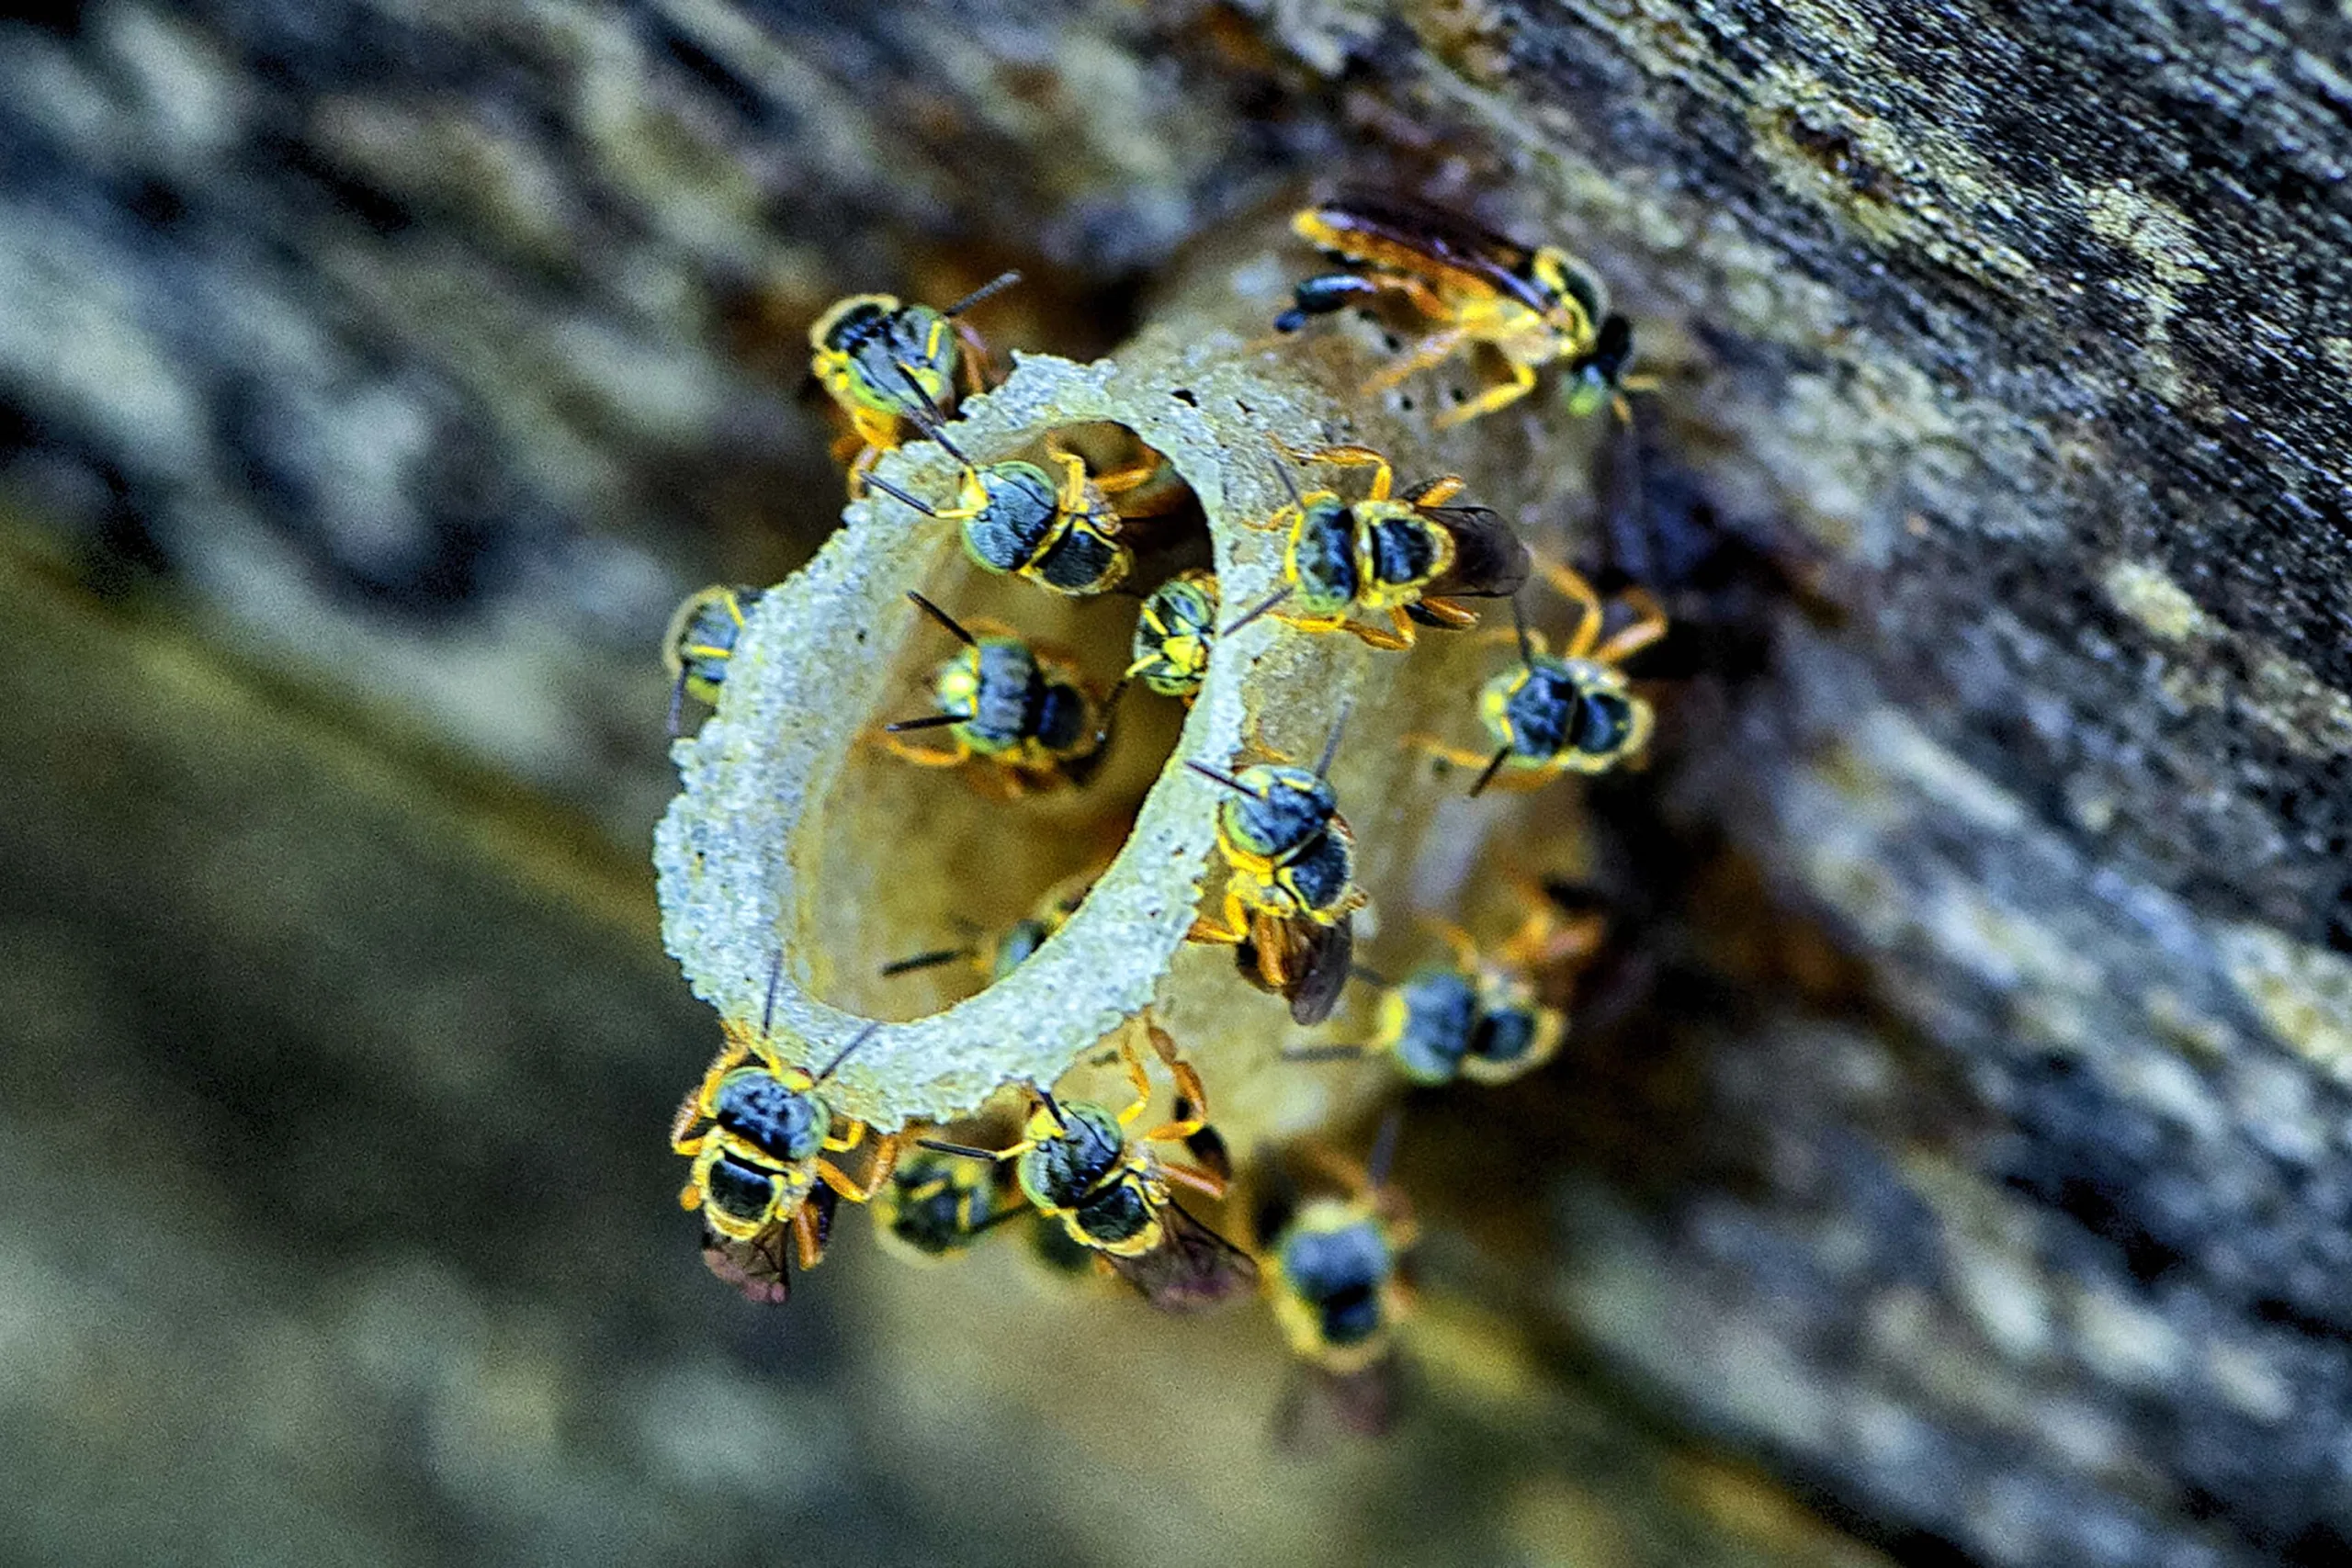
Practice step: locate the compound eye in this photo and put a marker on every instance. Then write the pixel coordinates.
(1604, 720)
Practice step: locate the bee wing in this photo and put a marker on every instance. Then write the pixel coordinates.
(760, 1268)
(1324, 1404)
(1490, 562)
(1384, 220)
(1190, 1268)
(1325, 955)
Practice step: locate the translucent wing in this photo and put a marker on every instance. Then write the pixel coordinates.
(1319, 974)
(758, 1268)
(1367, 226)
(1490, 562)
(1190, 1268)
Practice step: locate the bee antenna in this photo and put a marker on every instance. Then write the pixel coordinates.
(677, 701)
(988, 290)
(1331, 746)
(930, 960)
(776, 979)
(1486, 774)
(954, 628)
(968, 1151)
(1053, 1107)
(1384, 1150)
(1280, 594)
(1227, 780)
(932, 415)
(1103, 733)
(1371, 976)
(1518, 624)
(847, 1051)
(928, 721)
(1282, 472)
(886, 488)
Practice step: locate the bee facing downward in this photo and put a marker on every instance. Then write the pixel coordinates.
(759, 1133)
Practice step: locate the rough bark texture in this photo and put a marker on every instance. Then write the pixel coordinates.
(1960, 1143)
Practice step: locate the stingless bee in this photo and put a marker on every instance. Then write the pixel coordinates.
(1533, 307)
(1486, 1017)
(1335, 1281)
(1078, 1162)
(758, 1132)
(1399, 558)
(1175, 631)
(868, 349)
(1028, 711)
(1572, 713)
(700, 642)
(1290, 891)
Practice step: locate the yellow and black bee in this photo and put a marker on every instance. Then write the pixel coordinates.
(700, 642)
(1077, 1162)
(936, 1206)
(1290, 891)
(1402, 559)
(1491, 1015)
(1572, 713)
(867, 350)
(1175, 631)
(1016, 519)
(759, 1133)
(1533, 306)
(1029, 712)
(1334, 1277)
(1018, 940)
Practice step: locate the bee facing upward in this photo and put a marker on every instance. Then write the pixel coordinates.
(1570, 713)
(758, 1132)
(1533, 307)
(868, 349)
(1385, 557)
(1030, 712)
(1290, 891)
(1077, 1162)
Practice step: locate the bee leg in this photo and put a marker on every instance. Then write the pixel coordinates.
(1344, 1052)
(733, 1054)
(1451, 614)
(1436, 492)
(1457, 941)
(691, 1195)
(1138, 1078)
(1647, 625)
(1201, 1182)
(1577, 592)
(926, 756)
(1434, 349)
(1458, 756)
(885, 1160)
(1192, 1107)
(809, 1244)
(843, 1142)
(1383, 476)
(1233, 933)
(1522, 382)
(1401, 638)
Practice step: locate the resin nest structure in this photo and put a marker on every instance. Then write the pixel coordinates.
(795, 832)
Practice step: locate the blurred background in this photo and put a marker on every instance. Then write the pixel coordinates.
(375, 376)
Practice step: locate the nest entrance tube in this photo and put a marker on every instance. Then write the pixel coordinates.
(794, 829)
